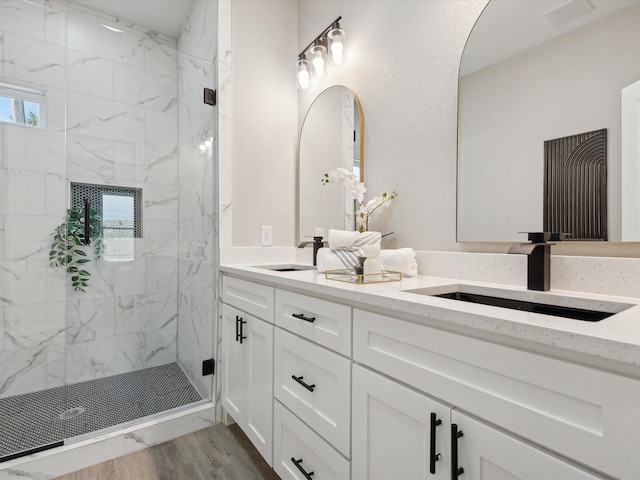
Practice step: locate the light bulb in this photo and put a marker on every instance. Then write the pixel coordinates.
(318, 53)
(336, 39)
(202, 147)
(304, 78)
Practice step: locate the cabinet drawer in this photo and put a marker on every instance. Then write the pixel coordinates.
(321, 321)
(583, 413)
(325, 404)
(293, 440)
(250, 297)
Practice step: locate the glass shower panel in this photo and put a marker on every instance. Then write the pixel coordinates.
(124, 333)
(33, 201)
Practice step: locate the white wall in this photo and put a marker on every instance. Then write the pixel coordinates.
(264, 125)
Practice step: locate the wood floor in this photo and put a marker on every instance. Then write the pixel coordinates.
(217, 452)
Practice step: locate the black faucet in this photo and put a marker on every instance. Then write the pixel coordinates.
(317, 245)
(538, 254)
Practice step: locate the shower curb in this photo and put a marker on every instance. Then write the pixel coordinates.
(106, 446)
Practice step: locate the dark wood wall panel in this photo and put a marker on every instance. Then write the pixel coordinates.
(575, 185)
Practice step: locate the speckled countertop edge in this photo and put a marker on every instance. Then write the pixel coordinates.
(616, 338)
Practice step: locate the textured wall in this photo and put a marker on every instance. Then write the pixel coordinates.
(264, 99)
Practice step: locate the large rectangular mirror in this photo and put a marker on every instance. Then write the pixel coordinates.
(541, 71)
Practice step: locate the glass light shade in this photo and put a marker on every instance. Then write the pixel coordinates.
(303, 75)
(318, 55)
(336, 39)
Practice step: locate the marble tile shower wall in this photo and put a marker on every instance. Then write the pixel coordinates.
(111, 118)
(197, 69)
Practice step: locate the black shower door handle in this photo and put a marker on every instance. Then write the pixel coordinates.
(87, 221)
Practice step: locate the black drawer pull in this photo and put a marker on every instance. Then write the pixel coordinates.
(433, 456)
(455, 469)
(299, 380)
(239, 330)
(297, 463)
(302, 317)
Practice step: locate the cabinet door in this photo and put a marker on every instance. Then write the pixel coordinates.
(392, 431)
(233, 362)
(486, 453)
(258, 375)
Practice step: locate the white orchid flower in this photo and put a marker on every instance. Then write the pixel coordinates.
(358, 190)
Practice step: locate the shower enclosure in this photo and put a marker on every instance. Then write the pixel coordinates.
(97, 111)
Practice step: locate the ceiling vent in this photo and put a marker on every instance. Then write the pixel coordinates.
(568, 11)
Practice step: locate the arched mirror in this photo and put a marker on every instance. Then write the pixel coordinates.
(332, 136)
(537, 81)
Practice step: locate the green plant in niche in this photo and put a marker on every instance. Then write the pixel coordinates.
(69, 250)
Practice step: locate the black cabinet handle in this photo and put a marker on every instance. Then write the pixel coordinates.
(297, 463)
(239, 333)
(302, 317)
(433, 456)
(299, 380)
(455, 435)
(87, 221)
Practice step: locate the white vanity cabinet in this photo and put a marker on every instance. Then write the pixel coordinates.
(363, 395)
(312, 369)
(247, 368)
(314, 383)
(398, 432)
(485, 453)
(404, 434)
(584, 414)
(300, 452)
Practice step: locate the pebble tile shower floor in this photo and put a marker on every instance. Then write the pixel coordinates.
(34, 419)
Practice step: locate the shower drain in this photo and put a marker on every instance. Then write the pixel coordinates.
(71, 413)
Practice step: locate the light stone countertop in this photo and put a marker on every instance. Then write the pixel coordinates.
(612, 343)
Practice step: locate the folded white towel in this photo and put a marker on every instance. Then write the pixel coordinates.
(352, 240)
(402, 260)
(327, 259)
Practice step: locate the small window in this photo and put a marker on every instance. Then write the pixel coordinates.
(20, 105)
(120, 209)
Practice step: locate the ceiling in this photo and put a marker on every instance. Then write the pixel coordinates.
(507, 27)
(162, 16)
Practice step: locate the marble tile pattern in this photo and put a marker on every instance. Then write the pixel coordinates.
(111, 118)
(197, 122)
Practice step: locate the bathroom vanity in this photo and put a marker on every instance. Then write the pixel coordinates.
(385, 381)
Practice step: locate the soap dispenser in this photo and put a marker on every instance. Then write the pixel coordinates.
(372, 267)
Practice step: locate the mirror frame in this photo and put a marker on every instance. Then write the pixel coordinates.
(299, 159)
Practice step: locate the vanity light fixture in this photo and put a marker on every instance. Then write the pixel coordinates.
(329, 44)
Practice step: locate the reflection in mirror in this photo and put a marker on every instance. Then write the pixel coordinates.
(532, 73)
(332, 136)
